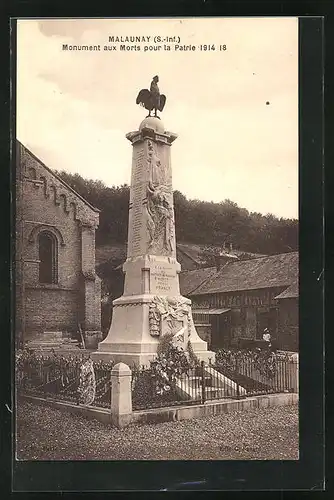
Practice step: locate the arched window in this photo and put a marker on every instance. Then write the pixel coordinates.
(47, 257)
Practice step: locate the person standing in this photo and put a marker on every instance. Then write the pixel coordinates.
(267, 337)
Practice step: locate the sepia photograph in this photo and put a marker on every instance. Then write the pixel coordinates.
(157, 239)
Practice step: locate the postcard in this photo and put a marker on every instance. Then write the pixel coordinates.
(157, 254)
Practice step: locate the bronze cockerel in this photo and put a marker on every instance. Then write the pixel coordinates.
(152, 99)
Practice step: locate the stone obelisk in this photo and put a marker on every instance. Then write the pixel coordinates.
(151, 305)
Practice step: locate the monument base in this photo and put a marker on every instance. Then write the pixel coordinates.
(135, 332)
(129, 359)
(132, 359)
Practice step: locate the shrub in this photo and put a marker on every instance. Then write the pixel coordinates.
(158, 382)
(263, 360)
(170, 363)
(57, 375)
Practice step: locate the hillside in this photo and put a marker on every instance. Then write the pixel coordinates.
(198, 222)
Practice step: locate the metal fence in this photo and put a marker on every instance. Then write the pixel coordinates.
(152, 389)
(209, 382)
(259, 375)
(58, 377)
(231, 377)
(103, 384)
(249, 380)
(195, 386)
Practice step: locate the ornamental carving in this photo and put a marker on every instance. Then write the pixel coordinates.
(173, 311)
(159, 207)
(53, 188)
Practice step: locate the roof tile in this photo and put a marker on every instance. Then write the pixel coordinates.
(291, 292)
(264, 272)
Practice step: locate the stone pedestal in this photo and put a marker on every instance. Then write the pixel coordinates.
(121, 399)
(151, 304)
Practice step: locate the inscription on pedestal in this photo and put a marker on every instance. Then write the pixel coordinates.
(163, 279)
(137, 172)
(136, 225)
(137, 195)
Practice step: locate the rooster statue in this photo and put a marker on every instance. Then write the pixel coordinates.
(152, 99)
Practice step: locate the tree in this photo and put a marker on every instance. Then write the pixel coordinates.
(201, 222)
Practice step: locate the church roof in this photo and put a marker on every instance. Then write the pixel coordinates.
(57, 177)
(265, 272)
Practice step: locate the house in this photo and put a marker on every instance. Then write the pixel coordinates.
(193, 256)
(189, 255)
(237, 299)
(109, 264)
(56, 287)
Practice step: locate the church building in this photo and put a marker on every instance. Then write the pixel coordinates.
(57, 291)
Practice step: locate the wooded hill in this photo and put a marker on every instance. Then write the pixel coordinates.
(200, 222)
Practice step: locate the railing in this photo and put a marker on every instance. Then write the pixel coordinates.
(272, 375)
(208, 382)
(59, 377)
(152, 390)
(103, 384)
(232, 376)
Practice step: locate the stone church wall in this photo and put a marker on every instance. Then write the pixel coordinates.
(44, 203)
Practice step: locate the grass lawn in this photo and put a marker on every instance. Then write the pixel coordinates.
(260, 434)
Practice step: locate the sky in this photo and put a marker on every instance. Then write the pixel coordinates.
(235, 111)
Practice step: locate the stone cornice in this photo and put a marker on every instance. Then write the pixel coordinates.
(148, 133)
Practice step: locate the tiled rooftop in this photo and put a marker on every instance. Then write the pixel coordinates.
(264, 272)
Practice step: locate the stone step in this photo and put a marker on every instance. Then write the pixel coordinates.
(51, 345)
(69, 348)
(217, 386)
(42, 345)
(214, 389)
(195, 381)
(49, 335)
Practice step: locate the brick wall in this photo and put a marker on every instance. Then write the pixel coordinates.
(97, 307)
(51, 309)
(45, 203)
(43, 213)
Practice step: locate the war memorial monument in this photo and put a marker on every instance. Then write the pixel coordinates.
(151, 305)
